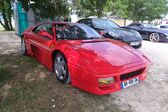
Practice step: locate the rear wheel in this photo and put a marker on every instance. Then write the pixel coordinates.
(23, 46)
(154, 37)
(61, 69)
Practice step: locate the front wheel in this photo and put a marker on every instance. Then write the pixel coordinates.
(61, 69)
(154, 37)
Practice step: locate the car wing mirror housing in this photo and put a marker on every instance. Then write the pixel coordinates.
(141, 27)
(45, 34)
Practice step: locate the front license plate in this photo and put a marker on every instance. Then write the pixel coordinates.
(135, 43)
(130, 82)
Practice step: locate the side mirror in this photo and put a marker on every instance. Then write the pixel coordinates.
(45, 34)
(141, 27)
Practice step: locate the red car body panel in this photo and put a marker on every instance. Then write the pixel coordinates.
(88, 60)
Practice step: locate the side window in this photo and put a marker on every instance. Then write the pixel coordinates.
(60, 34)
(78, 32)
(75, 32)
(82, 21)
(70, 33)
(37, 29)
(140, 26)
(46, 27)
(134, 26)
(49, 28)
(88, 22)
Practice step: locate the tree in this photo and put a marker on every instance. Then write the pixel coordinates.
(119, 8)
(91, 7)
(155, 9)
(138, 10)
(5, 9)
(47, 8)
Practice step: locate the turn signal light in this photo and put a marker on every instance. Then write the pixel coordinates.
(52, 46)
(104, 81)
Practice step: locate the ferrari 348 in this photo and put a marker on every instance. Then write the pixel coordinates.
(80, 56)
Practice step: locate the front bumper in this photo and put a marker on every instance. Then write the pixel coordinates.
(163, 39)
(136, 44)
(88, 81)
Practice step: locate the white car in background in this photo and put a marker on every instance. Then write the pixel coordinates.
(164, 22)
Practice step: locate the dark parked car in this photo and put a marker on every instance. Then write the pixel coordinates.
(164, 26)
(150, 32)
(109, 29)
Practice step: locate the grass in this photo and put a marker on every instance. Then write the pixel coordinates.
(4, 75)
(27, 86)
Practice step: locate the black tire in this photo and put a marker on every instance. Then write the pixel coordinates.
(61, 69)
(154, 37)
(23, 46)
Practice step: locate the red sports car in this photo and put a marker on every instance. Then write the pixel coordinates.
(80, 56)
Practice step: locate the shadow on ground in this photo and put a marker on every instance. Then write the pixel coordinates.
(25, 85)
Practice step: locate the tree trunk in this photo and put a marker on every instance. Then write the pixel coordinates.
(99, 13)
(2, 24)
(6, 15)
(9, 15)
(125, 21)
(5, 20)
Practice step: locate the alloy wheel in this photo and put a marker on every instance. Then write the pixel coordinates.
(154, 37)
(60, 68)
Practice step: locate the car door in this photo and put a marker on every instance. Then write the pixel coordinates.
(142, 30)
(137, 27)
(40, 44)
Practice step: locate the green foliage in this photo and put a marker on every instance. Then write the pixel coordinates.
(138, 10)
(47, 8)
(5, 9)
(90, 7)
(117, 7)
(155, 9)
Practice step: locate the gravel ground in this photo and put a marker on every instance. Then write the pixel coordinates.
(152, 94)
(9, 42)
(149, 96)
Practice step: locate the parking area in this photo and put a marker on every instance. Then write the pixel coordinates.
(34, 88)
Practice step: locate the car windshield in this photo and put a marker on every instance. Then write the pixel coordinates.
(80, 31)
(104, 24)
(148, 26)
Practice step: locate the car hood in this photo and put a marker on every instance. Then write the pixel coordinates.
(106, 55)
(126, 35)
